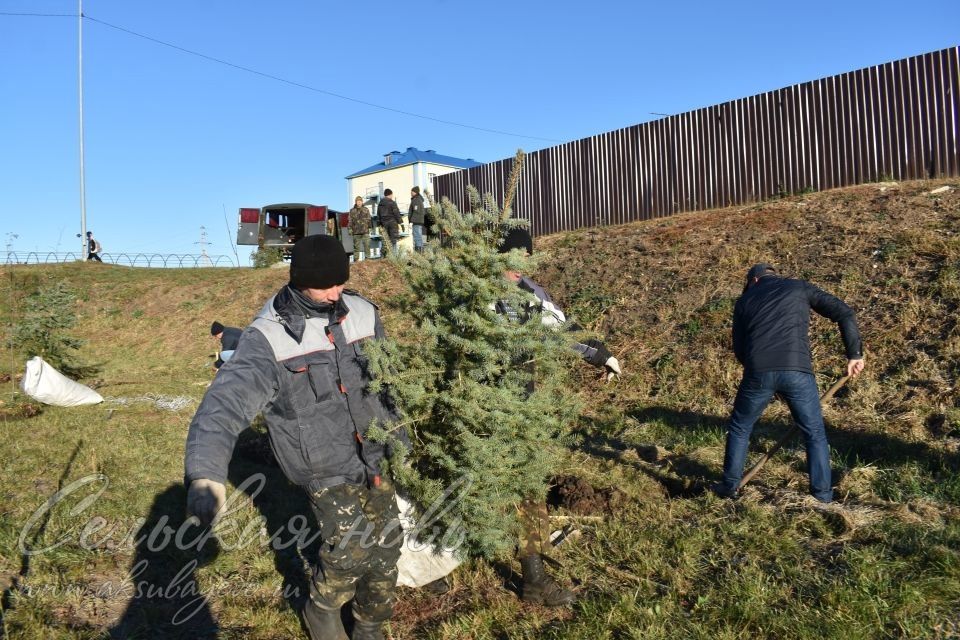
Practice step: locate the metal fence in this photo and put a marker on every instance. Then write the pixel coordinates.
(895, 121)
(165, 260)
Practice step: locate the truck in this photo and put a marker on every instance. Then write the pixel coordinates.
(281, 225)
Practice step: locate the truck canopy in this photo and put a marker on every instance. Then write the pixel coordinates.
(281, 225)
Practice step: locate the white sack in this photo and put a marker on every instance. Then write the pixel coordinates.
(47, 385)
(420, 563)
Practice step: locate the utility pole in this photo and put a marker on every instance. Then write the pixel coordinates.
(204, 258)
(83, 185)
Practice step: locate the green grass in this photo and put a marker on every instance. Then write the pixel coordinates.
(670, 562)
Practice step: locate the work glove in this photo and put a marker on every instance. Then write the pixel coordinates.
(612, 365)
(204, 500)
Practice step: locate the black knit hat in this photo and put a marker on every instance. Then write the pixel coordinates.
(517, 238)
(216, 328)
(318, 262)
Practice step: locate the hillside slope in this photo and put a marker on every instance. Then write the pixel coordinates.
(663, 559)
(663, 293)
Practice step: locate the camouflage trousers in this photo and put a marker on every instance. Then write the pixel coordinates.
(361, 544)
(534, 527)
(361, 244)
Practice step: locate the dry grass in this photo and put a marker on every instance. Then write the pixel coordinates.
(671, 561)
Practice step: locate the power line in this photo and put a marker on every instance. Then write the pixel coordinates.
(39, 15)
(310, 88)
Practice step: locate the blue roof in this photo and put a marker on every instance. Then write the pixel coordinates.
(413, 156)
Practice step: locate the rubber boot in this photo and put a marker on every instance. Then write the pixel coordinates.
(540, 588)
(364, 629)
(438, 587)
(323, 624)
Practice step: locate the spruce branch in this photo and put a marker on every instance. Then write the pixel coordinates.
(512, 183)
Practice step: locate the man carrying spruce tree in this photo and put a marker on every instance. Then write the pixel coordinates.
(301, 363)
(535, 524)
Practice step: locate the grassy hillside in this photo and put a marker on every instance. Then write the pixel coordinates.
(657, 557)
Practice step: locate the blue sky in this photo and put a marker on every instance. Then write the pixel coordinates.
(172, 139)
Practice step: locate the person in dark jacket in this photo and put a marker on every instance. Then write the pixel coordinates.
(592, 350)
(229, 338)
(93, 247)
(537, 585)
(771, 324)
(417, 214)
(360, 229)
(301, 363)
(390, 219)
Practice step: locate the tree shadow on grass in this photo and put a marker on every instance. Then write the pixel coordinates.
(683, 476)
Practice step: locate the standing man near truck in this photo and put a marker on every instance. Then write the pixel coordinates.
(360, 229)
(390, 219)
(417, 216)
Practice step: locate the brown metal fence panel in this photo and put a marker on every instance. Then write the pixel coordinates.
(899, 121)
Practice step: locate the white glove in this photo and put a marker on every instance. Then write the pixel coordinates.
(613, 368)
(204, 500)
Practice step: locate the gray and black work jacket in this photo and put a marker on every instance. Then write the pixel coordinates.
(305, 369)
(593, 351)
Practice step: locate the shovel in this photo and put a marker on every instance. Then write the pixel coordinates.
(825, 398)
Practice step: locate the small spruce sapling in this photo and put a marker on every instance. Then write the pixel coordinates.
(41, 330)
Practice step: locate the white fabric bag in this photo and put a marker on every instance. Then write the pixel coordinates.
(47, 385)
(420, 563)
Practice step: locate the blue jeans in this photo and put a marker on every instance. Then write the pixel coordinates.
(800, 391)
(417, 236)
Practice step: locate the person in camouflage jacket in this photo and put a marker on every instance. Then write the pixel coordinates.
(360, 229)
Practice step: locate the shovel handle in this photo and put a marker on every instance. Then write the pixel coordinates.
(829, 393)
(825, 398)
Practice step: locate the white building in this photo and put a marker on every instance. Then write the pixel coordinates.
(400, 172)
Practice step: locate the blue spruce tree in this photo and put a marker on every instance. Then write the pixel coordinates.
(483, 393)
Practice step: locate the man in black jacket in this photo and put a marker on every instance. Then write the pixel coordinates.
(537, 585)
(389, 214)
(416, 213)
(771, 324)
(229, 338)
